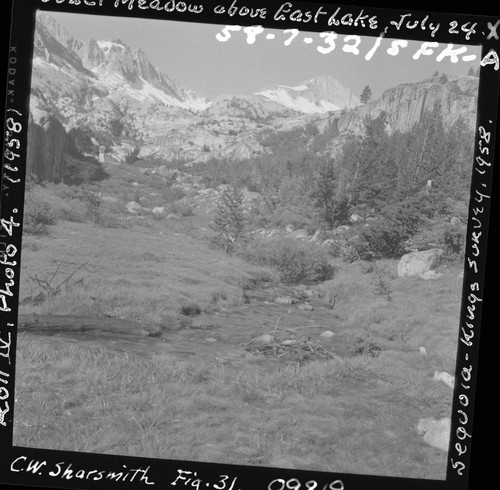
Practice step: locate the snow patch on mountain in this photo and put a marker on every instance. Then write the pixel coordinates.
(108, 46)
(318, 95)
(299, 88)
(283, 96)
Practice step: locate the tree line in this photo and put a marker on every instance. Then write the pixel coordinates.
(402, 181)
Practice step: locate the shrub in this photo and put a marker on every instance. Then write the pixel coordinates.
(386, 236)
(406, 216)
(366, 347)
(454, 241)
(93, 201)
(181, 208)
(449, 237)
(74, 211)
(107, 219)
(295, 260)
(190, 309)
(381, 283)
(294, 205)
(39, 211)
(382, 239)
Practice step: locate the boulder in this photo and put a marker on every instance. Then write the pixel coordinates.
(133, 207)
(328, 242)
(328, 334)
(314, 238)
(299, 234)
(445, 377)
(436, 432)
(305, 307)
(417, 263)
(264, 339)
(284, 300)
(430, 275)
(302, 292)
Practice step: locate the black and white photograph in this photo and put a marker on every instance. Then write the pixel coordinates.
(246, 245)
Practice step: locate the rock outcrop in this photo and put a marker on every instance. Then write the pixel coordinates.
(405, 104)
(52, 154)
(417, 263)
(435, 432)
(47, 147)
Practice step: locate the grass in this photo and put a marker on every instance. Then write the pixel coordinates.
(315, 416)
(137, 274)
(224, 404)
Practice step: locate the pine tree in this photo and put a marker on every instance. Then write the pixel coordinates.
(374, 174)
(333, 209)
(425, 143)
(454, 173)
(325, 190)
(229, 220)
(366, 95)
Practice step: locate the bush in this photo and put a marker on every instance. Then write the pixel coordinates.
(107, 219)
(74, 211)
(181, 208)
(295, 206)
(454, 241)
(382, 239)
(449, 237)
(295, 260)
(39, 211)
(386, 236)
(92, 199)
(190, 309)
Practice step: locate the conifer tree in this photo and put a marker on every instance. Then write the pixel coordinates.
(326, 194)
(425, 143)
(372, 180)
(229, 220)
(366, 95)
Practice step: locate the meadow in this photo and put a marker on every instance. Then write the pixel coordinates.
(202, 390)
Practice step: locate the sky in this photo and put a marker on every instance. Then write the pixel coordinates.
(191, 54)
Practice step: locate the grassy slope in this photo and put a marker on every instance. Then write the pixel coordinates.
(135, 273)
(357, 416)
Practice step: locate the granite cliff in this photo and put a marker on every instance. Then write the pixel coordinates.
(405, 103)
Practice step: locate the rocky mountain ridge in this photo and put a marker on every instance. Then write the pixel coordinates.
(318, 95)
(127, 106)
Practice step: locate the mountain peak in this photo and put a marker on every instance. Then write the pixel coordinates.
(110, 66)
(316, 95)
(111, 47)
